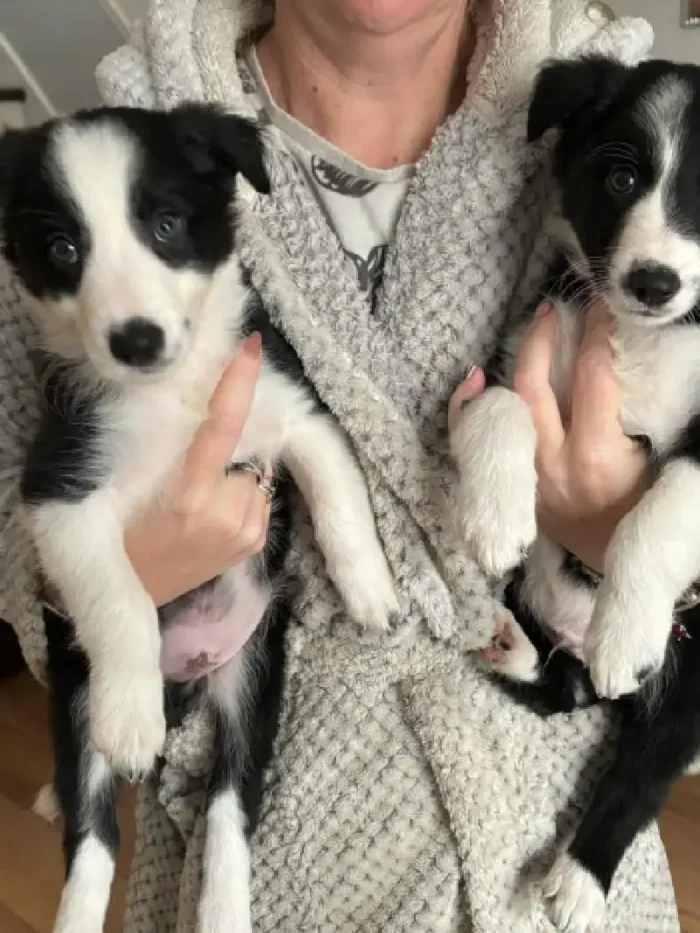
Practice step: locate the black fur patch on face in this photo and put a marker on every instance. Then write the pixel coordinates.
(38, 214)
(609, 156)
(184, 169)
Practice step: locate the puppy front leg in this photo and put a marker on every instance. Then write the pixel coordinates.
(81, 551)
(653, 557)
(493, 445)
(329, 478)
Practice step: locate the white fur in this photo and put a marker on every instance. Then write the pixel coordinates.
(650, 233)
(319, 460)
(149, 424)
(224, 904)
(575, 900)
(653, 556)
(567, 609)
(85, 895)
(659, 380)
(493, 444)
(46, 804)
(655, 553)
(694, 766)
(122, 277)
(227, 685)
(521, 661)
(81, 549)
(622, 629)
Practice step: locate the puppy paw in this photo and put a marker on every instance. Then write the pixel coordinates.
(493, 445)
(575, 899)
(499, 532)
(371, 600)
(127, 720)
(511, 653)
(46, 804)
(624, 646)
(222, 914)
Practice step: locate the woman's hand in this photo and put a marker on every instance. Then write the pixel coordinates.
(208, 521)
(589, 473)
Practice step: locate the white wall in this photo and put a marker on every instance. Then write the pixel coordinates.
(664, 15)
(59, 42)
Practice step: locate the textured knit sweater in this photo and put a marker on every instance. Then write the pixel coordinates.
(407, 793)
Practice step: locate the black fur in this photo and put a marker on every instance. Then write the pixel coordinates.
(242, 752)
(59, 467)
(189, 161)
(83, 813)
(59, 463)
(659, 735)
(592, 101)
(258, 730)
(564, 683)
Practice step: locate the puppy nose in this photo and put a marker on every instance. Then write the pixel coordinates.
(653, 283)
(138, 342)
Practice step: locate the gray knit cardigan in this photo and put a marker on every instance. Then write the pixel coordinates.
(407, 794)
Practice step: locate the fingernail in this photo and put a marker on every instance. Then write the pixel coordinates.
(471, 369)
(544, 309)
(252, 344)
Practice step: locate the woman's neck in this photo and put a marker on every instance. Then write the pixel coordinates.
(377, 94)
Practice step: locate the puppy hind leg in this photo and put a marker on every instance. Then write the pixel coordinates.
(653, 751)
(224, 904)
(531, 669)
(90, 843)
(84, 787)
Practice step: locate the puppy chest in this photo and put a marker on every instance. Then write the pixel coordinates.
(658, 372)
(659, 376)
(153, 435)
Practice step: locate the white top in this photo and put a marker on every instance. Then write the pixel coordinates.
(361, 204)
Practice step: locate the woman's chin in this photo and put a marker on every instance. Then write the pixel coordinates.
(384, 17)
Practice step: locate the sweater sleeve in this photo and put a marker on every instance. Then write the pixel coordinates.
(123, 77)
(585, 27)
(19, 415)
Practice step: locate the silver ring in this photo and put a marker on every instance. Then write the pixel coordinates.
(252, 466)
(267, 488)
(256, 468)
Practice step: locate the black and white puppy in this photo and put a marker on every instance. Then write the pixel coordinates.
(626, 163)
(121, 227)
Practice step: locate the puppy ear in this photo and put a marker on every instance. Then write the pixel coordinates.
(216, 141)
(240, 143)
(566, 92)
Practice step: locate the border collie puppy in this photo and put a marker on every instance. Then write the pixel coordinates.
(121, 228)
(627, 165)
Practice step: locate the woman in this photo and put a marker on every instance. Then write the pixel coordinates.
(407, 792)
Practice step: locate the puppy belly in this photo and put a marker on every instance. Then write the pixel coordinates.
(203, 630)
(563, 607)
(569, 635)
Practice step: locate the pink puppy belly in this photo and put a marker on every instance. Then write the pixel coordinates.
(200, 639)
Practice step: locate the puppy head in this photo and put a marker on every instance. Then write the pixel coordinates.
(115, 221)
(627, 163)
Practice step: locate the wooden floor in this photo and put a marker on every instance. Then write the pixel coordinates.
(30, 858)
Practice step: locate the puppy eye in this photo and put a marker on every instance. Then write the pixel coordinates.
(622, 181)
(62, 251)
(167, 226)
